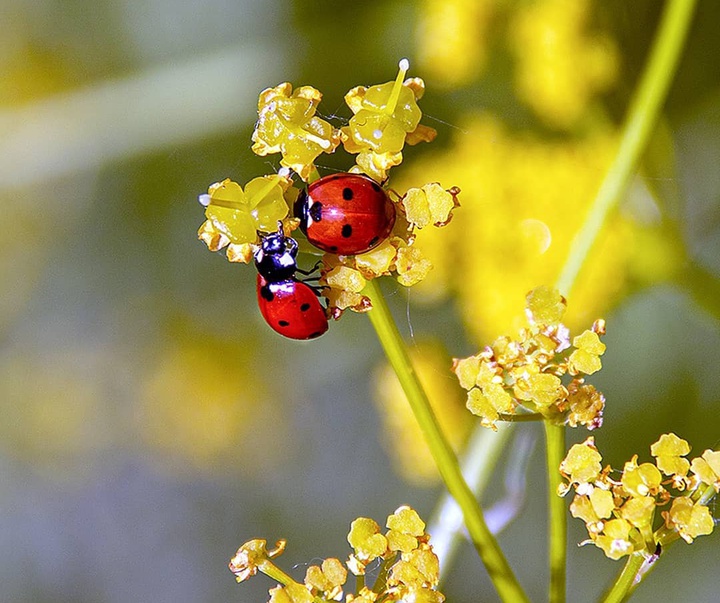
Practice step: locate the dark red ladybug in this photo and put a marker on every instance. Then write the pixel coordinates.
(289, 306)
(345, 213)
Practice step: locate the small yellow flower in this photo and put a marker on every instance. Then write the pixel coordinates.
(582, 508)
(467, 370)
(488, 403)
(543, 389)
(707, 468)
(689, 519)
(545, 306)
(585, 405)
(287, 124)
(615, 539)
(592, 508)
(386, 116)
(407, 574)
(365, 538)
(669, 451)
(582, 462)
(430, 204)
(236, 215)
(251, 555)
(344, 277)
(327, 579)
(586, 358)
(602, 502)
(342, 285)
(411, 265)
(641, 480)
(639, 511)
(528, 371)
(378, 261)
(405, 526)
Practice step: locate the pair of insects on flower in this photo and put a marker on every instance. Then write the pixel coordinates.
(346, 214)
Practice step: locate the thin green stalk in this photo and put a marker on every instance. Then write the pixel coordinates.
(621, 588)
(555, 451)
(641, 118)
(487, 547)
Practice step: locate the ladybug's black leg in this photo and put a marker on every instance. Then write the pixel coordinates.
(309, 272)
(317, 289)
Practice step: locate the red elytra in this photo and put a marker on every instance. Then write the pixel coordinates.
(345, 213)
(291, 308)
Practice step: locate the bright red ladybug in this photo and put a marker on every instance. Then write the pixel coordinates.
(288, 305)
(345, 213)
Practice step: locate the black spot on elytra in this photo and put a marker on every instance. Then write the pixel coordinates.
(304, 307)
(376, 187)
(283, 323)
(315, 212)
(333, 248)
(315, 334)
(347, 193)
(266, 294)
(346, 231)
(373, 241)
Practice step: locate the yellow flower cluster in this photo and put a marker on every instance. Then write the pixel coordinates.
(514, 376)
(385, 118)
(621, 514)
(409, 567)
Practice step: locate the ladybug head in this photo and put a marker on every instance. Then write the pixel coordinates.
(275, 259)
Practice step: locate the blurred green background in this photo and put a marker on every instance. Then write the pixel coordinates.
(151, 423)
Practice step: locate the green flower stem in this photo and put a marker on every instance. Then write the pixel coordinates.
(272, 571)
(621, 589)
(487, 547)
(555, 451)
(641, 118)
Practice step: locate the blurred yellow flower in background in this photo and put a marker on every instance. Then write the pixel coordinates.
(55, 415)
(560, 65)
(452, 39)
(523, 200)
(203, 407)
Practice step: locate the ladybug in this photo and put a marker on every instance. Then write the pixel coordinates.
(345, 213)
(289, 306)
